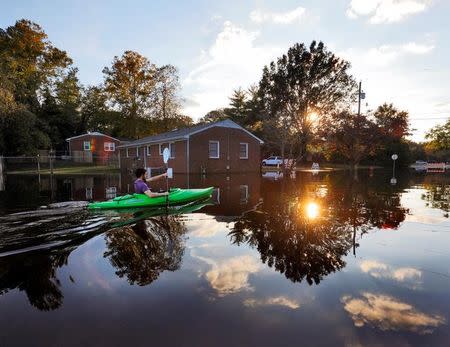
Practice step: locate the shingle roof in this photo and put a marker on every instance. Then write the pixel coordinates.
(93, 133)
(184, 133)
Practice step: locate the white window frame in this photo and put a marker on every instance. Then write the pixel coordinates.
(149, 150)
(218, 149)
(170, 150)
(137, 151)
(127, 153)
(89, 191)
(109, 146)
(84, 145)
(246, 150)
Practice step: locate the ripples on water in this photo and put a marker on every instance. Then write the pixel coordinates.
(271, 262)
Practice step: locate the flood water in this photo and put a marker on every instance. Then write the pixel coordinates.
(327, 259)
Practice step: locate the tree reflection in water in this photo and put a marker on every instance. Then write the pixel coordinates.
(142, 251)
(35, 274)
(304, 229)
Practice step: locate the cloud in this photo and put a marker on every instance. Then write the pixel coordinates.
(386, 11)
(273, 301)
(232, 61)
(387, 313)
(385, 55)
(380, 270)
(288, 17)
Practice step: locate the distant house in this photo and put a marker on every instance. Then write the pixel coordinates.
(218, 147)
(93, 147)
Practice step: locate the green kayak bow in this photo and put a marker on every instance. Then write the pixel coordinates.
(176, 197)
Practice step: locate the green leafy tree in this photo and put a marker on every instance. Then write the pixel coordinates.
(439, 137)
(30, 61)
(213, 116)
(166, 103)
(129, 84)
(96, 115)
(301, 83)
(29, 66)
(351, 135)
(60, 110)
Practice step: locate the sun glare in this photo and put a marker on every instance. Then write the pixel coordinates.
(312, 210)
(313, 116)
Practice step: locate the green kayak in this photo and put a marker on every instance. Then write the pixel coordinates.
(177, 196)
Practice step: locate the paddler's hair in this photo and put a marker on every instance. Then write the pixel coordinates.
(139, 172)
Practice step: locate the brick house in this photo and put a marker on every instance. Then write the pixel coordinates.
(220, 147)
(93, 147)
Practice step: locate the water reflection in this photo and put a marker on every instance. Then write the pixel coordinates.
(388, 313)
(305, 228)
(35, 273)
(142, 251)
(395, 292)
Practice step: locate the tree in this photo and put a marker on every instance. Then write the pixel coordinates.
(30, 61)
(30, 66)
(238, 106)
(60, 109)
(439, 137)
(303, 82)
(129, 83)
(351, 135)
(213, 116)
(166, 103)
(96, 115)
(392, 122)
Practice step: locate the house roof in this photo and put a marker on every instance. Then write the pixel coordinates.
(93, 133)
(183, 134)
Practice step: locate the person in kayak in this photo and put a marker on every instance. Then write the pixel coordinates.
(140, 185)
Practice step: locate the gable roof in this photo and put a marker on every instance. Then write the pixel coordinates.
(183, 134)
(94, 133)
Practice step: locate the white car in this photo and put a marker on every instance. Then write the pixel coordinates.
(272, 161)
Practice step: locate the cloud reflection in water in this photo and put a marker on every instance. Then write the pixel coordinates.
(406, 275)
(388, 313)
(273, 301)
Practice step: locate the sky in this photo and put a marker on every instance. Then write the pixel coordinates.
(399, 49)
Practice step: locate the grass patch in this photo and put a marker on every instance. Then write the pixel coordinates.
(73, 170)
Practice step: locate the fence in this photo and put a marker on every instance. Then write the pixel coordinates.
(46, 162)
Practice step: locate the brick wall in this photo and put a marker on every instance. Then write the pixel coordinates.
(99, 155)
(228, 161)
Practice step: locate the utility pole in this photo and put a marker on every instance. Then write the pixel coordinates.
(359, 99)
(361, 96)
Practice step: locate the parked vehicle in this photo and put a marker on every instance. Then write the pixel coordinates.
(272, 161)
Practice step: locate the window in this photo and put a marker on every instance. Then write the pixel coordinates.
(243, 150)
(148, 151)
(109, 146)
(88, 193)
(127, 153)
(172, 150)
(243, 190)
(87, 145)
(137, 151)
(214, 149)
(110, 193)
